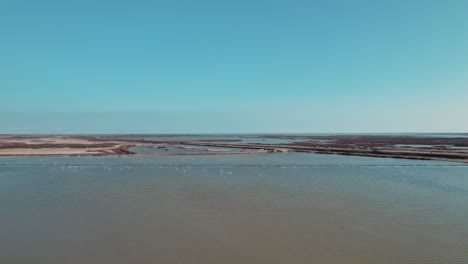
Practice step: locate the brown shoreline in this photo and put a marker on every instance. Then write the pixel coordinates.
(353, 145)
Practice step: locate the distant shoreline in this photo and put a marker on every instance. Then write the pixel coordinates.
(385, 146)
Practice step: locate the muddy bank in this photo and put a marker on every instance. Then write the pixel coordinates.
(41, 145)
(406, 147)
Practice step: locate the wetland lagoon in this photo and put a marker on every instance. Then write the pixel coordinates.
(257, 208)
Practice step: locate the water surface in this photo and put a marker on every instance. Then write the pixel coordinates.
(275, 208)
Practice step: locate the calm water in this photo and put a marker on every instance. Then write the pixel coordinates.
(245, 139)
(276, 208)
(182, 149)
(428, 146)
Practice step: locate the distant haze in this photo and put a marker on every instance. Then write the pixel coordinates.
(233, 66)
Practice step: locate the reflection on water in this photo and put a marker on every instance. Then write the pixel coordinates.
(278, 208)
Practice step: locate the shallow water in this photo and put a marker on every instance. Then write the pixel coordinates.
(246, 139)
(182, 149)
(275, 208)
(428, 146)
(441, 135)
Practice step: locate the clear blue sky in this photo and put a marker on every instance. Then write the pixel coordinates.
(90, 66)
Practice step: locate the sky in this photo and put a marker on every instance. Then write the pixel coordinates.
(240, 66)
